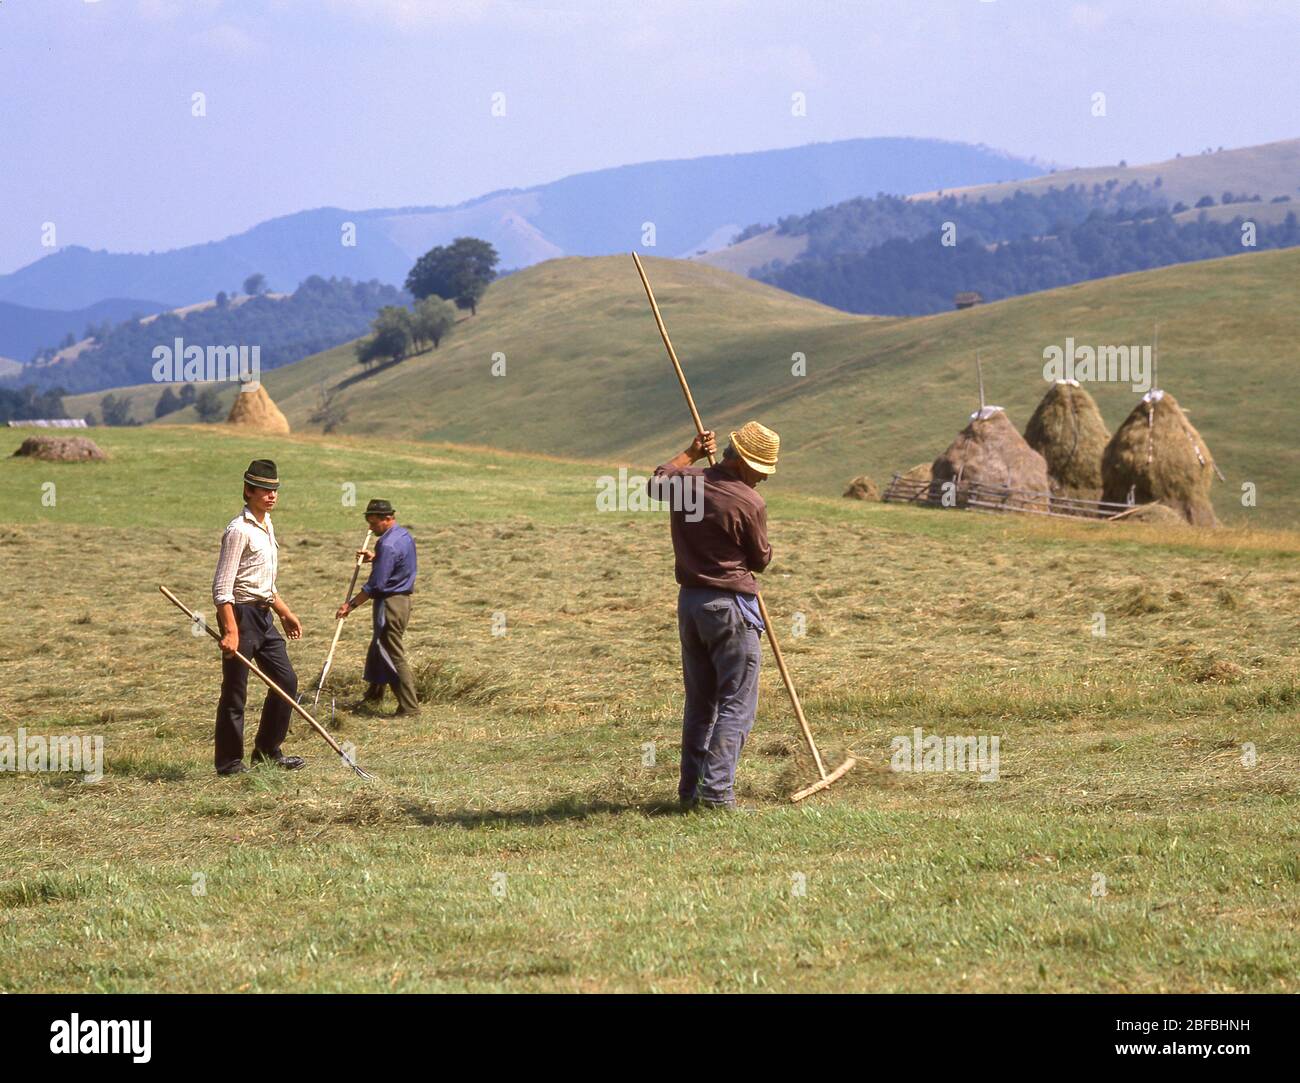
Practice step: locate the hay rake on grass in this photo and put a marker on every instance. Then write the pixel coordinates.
(275, 688)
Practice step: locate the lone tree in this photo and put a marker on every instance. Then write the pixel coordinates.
(168, 402)
(255, 284)
(461, 271)
(394, 336)
(208, 405)
(433, 319)
(116, 410)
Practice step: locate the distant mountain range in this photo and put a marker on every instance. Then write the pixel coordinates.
(693, 204)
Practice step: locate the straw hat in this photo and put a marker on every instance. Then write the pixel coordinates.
(757, 445)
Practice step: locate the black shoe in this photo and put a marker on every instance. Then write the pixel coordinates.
(289, 763)
(236, 768)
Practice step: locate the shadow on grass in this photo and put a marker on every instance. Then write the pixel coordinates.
(564, 810)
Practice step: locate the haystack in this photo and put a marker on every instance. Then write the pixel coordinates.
(1156, 456)
(60, 449)
(1067, 430)
(862, 488)
(255, 410)
(920, 472)
(989, 452)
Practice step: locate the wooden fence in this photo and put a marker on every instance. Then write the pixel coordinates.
(967, 494)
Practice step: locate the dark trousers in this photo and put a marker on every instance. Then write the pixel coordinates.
(258, 640)
(720, 661)
(386, 660)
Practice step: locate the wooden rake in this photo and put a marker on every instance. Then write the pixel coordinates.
(275, 688)
(843, 769)
(338, 626)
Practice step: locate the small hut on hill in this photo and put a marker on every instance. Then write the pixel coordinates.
(1158, 456)
(1067, 430)
(255, 410)
(988, 456)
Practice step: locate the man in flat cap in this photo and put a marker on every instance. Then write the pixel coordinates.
(390, 586)
(245, 595)
(718, 548)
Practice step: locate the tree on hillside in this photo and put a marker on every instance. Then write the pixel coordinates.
(115, 409)
(168, 402)
(188, 394)
(461, 271)
(255, 284)
(222, 299)
(394, 336)
(433, 319)
(208, 405)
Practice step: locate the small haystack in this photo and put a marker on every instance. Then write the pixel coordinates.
(989, 452)
(60, 449)
(255, 410)
(1067, 430)
(920, 472)
(862, 488)
(1157, 456)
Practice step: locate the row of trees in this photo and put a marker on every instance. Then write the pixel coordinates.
(915, 277)
(28, 403)
(320, 314)
(398, 332)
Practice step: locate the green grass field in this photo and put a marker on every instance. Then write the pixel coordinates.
(521, 839)
(586, 375)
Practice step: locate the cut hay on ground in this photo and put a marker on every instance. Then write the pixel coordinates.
(862, 488)
(1157, 456)
(1155, 514)
(255, 410)
(1067, 430)
(989, 452)
(60, 449)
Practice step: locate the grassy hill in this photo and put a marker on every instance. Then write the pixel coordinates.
(587, 375)
(524, 834)
(1267, 170)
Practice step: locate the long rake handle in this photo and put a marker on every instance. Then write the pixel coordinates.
(253, 667)
(762, 606)
(338, 624)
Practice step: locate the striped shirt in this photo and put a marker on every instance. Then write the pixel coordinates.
(250, 557)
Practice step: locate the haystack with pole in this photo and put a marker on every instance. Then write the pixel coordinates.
(1067, 430)
(253, 409)
(1157, 456)
(990, 465)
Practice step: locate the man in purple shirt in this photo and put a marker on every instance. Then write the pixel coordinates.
(391, 584)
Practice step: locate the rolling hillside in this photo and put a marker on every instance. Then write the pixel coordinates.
(694, 203)
(1267, 170)
(587, 375)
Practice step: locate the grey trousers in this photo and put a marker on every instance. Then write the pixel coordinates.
(720, 660)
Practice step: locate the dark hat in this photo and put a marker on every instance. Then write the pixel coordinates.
(262, 473)
(380, 507)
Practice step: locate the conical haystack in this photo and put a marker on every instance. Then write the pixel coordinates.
(1067, 430)
(989, 452)
(255, 410)
(1157, 456)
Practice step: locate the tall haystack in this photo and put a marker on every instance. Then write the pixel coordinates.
(989, 452)
(1067, 430)
(255, 410)
(1157, 456)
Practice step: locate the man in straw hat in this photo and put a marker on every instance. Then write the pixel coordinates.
(244, 593)
(391, 584)
(718, 548)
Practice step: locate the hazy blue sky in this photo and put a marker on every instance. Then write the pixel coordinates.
(368, 103)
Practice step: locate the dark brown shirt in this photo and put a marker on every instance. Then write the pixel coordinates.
(719, 534)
